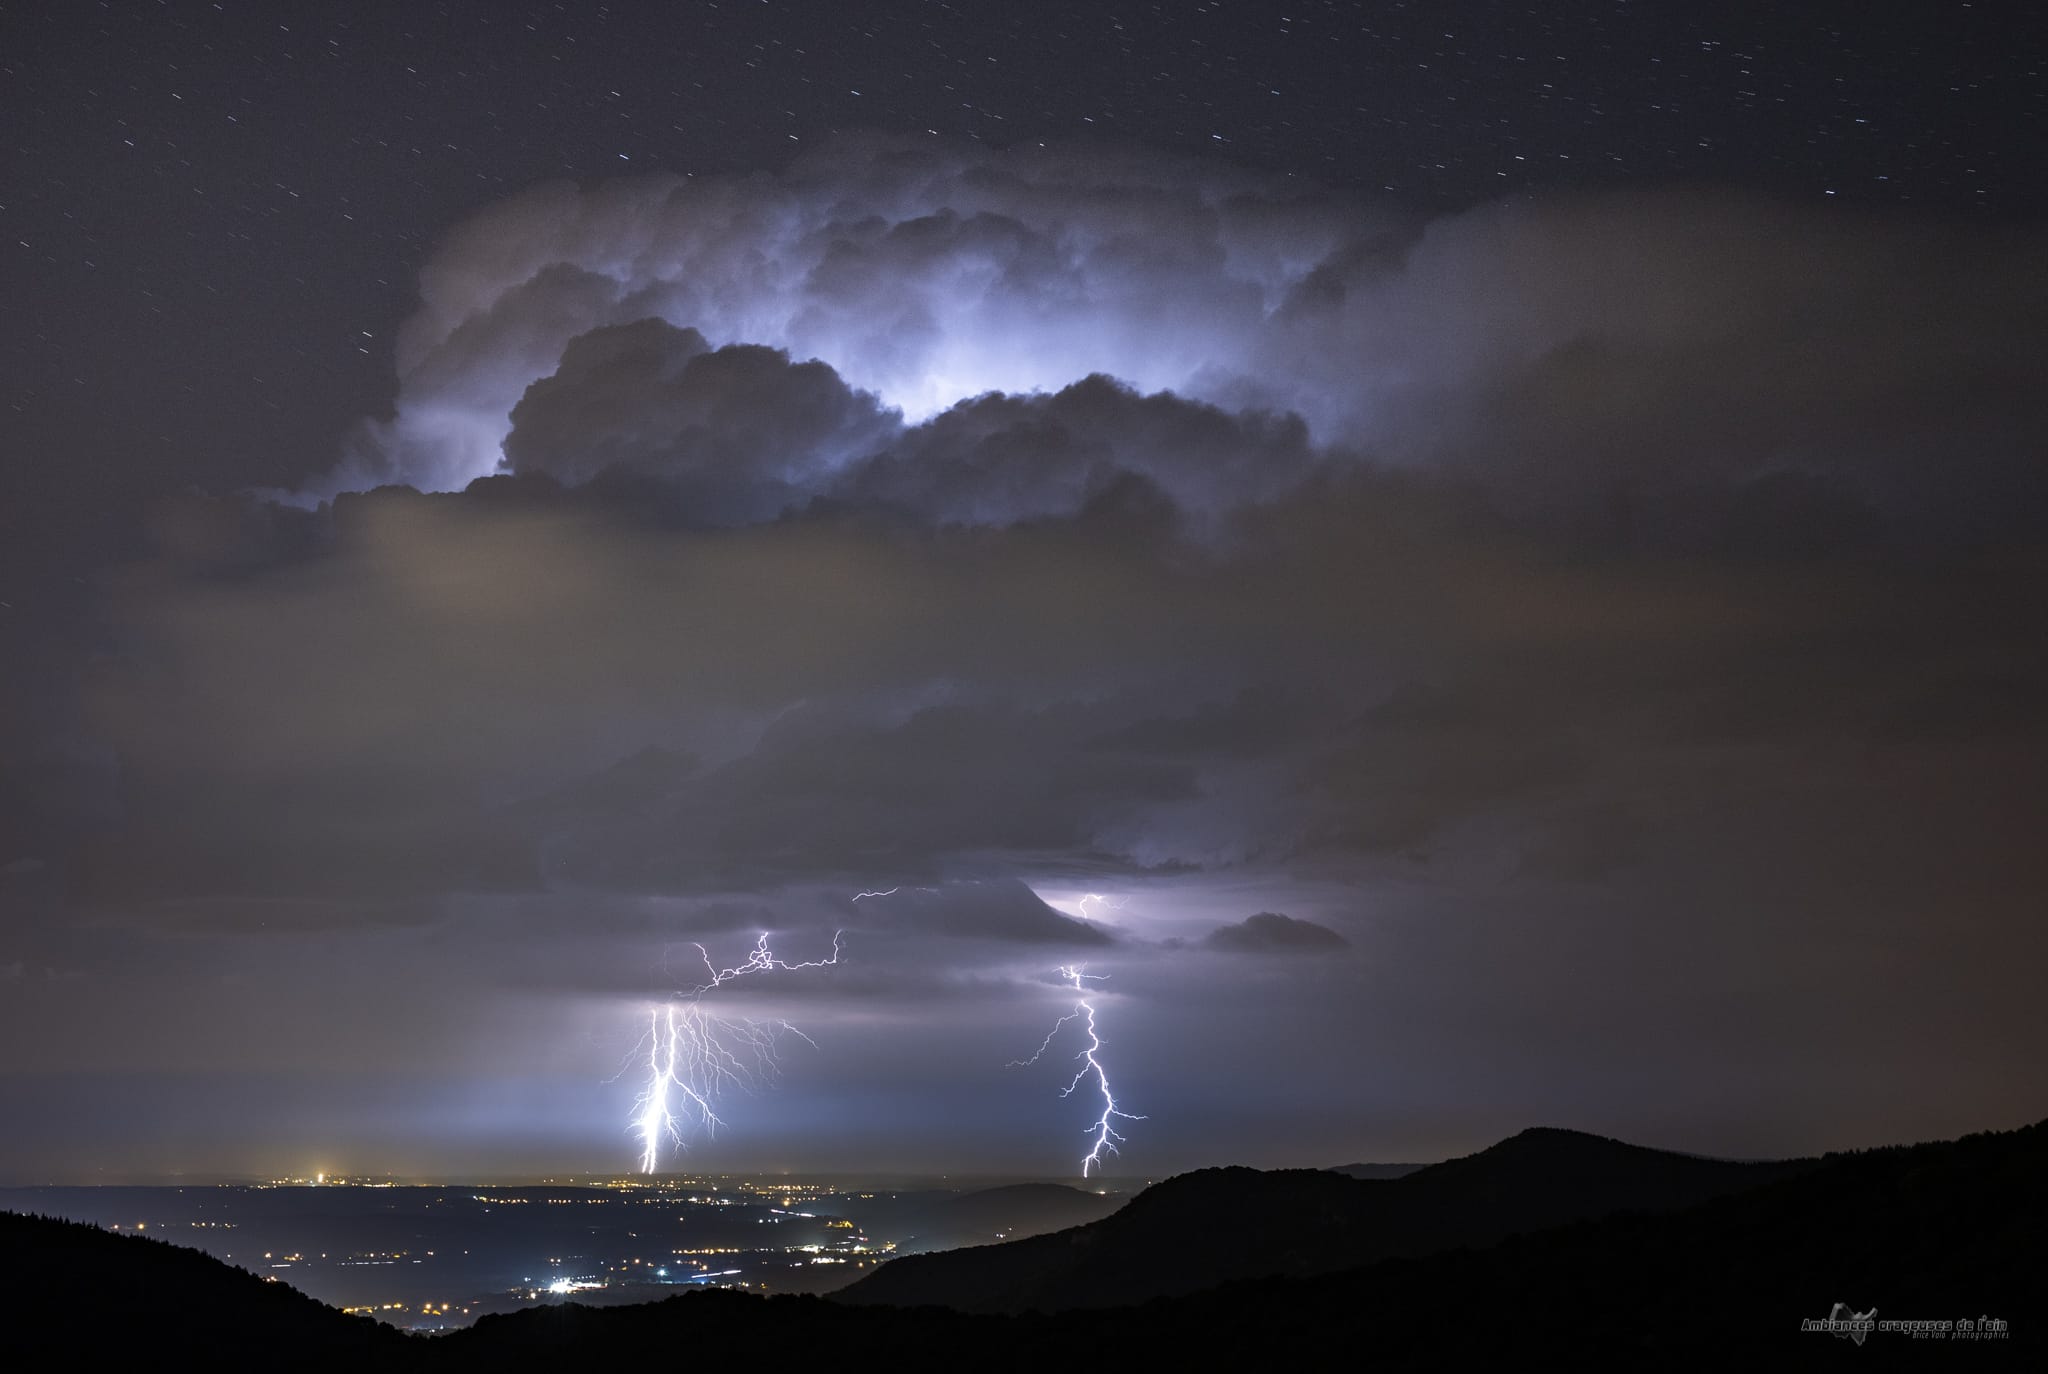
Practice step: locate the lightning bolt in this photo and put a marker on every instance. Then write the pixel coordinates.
(1105, 1133)
(695, 1055)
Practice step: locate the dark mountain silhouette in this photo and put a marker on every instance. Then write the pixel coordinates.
(1217, 1225)
(90, 1286)
(1376, 1170)
(950, 1221)
(1937, 1231)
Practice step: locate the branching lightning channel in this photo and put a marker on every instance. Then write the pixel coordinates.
(1106, 1137)
(694, 1055)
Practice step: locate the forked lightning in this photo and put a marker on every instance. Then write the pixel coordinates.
(694, 1055)
(1105, 1133)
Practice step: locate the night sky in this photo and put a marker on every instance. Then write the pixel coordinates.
(1481, 565)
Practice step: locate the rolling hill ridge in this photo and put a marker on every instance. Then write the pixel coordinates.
(1218, 1225)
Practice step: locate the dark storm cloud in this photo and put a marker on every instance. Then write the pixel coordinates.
(649, 399)
(1630, 584)
(1274, 933)
(998, 459)
(546, 692)
(461, 692)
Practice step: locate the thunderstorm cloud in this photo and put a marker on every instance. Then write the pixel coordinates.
(1078, 549)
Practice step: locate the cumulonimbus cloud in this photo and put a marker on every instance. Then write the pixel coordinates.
(1297, 526)
(1641, 350)
(1645, 584)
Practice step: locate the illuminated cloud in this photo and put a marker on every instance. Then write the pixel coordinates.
(1656, 366)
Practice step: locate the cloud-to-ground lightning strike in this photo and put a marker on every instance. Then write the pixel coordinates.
(1106, 1136)
(693, 1055)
